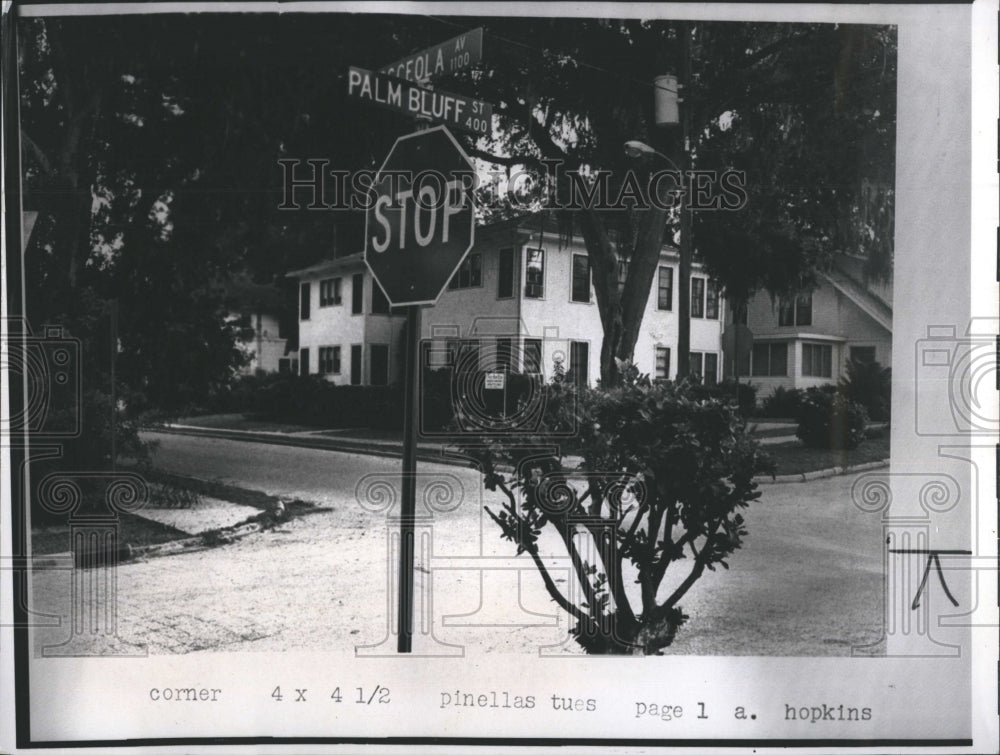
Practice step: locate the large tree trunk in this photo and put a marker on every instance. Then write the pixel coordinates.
(642, 270)
(604, 269)
(622, 310)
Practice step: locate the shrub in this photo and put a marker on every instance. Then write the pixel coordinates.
(90, 450)
(828, 419)
(869, 384)
(743, 395)
(665, 474)
(783, 403)
(312, 400)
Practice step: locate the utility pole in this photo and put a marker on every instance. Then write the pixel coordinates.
(686, 248)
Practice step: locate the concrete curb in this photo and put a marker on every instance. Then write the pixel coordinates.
(205, 541)
(820, 473)
(395, 450)
(129, 554)
(326, 443)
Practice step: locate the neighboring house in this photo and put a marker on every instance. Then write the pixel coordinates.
(807, 341)
(258, 309)
(347, 332)
(522, 301)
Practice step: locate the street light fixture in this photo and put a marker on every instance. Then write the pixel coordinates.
(635, 149)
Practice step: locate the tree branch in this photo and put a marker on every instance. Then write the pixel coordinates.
(509, 161)
(541, 136)
(567, 537)
(567, 532)
(36, 151)
(661, 566)
(647, 576)
(696, 572)
(550, 586)
(736, 77)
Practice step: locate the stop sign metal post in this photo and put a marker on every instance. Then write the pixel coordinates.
(418, 231)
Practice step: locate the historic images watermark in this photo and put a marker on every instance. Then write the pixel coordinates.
(312, 184)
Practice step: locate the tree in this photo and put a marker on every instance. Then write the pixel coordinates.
(784, 102)
(150, 149)
(632, 513)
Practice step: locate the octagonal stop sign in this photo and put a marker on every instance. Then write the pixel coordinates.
(421, 223)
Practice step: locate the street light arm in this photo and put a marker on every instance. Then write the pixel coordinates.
(634, 148)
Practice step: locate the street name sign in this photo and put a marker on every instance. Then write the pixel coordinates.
(456, 54)
(403, 96)
(421, 223)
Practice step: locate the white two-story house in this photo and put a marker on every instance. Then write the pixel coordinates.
(522, 301)
(347, 332)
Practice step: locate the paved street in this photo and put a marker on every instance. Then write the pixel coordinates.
(807, 581)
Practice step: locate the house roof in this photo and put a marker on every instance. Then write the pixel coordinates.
(329, 265)
(865, 299)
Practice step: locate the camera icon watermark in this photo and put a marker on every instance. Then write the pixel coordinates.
(497, 381)
(48, 367)
(956, 379)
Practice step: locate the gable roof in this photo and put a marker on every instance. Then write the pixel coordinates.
(329, 265)
(866, 300)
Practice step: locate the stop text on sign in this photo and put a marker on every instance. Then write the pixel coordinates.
(418, 216)
(402, 96)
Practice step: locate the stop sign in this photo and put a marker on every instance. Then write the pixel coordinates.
(421, 223)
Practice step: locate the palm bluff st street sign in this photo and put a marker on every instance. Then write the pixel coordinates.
(422, 222)
(401, 85)
(455, 110)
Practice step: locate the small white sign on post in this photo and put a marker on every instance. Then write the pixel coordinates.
(494, 381)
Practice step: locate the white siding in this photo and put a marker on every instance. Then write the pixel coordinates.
(478, 312)
(264, 348)
(337, 325)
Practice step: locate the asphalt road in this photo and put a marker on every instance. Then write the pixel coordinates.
(808, 580)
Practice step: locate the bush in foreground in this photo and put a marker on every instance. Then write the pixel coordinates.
(662, 483)
(782, 403)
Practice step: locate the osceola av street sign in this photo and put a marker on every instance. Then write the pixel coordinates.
(456, 54)
(422, 221)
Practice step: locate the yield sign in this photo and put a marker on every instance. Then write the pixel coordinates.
(421, 222)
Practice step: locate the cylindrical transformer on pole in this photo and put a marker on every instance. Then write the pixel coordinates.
(665, 100)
